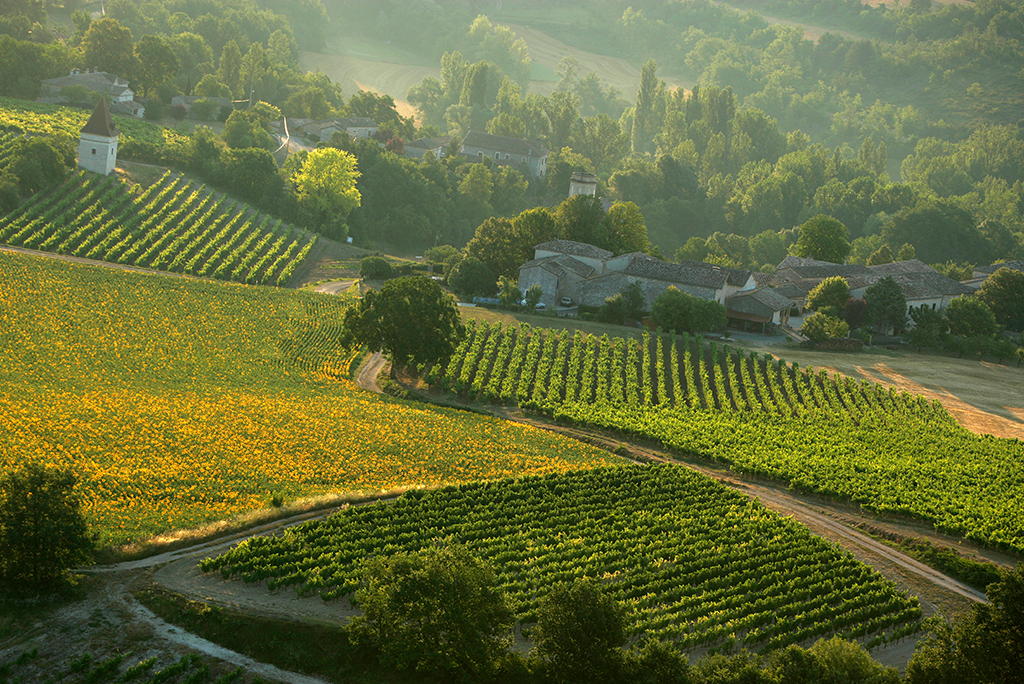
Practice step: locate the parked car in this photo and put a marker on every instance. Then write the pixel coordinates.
(540, 306)
(566, 301)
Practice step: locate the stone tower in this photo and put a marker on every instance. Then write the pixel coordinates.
(97, 150)
(582, 183)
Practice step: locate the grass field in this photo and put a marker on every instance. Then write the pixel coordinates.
(180, 401)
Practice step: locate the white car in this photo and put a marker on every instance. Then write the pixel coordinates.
(566, 301)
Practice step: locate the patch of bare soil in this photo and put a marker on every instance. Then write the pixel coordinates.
(329, 260)
(109, 621)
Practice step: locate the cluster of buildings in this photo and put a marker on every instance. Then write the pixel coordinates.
(587, 275)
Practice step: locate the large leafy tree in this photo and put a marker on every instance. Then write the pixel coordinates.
(829, 293)
(626, 229)
(495, 244)
(823, 238)
(1003, 292)
(108, 45)
(579, 632)
(887, 305)
(971, 317)
(157, 62)
(326, 185)
(441, 611)
(42, 530)
(983, 645)
(411, 319)
(676, 310)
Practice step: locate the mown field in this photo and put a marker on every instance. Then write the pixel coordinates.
(172, 225)
(180, 401)
(889, 451)
(691, 561)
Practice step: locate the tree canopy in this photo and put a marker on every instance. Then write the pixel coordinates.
(579, 632)
(1003, 292)
(823, 238)
(887, 305)
(829, 293)
(411, 319)
(439, 611)
(42, 530)
(971, 317)
(676, 310)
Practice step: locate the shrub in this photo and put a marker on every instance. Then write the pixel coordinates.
(819, 327)
(375, 268)
(42, 530)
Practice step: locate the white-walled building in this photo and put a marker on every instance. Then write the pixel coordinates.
(97, 147)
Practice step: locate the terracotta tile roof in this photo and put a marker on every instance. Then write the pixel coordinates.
(748, 301)
(1016, 265)
(558, 265)
(910, 266)
(689, 272)
(574, 249)
(500, 143)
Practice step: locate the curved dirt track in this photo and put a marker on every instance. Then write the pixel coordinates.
(367, 378)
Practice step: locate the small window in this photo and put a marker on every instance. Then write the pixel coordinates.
(933, 306)
(94, 150)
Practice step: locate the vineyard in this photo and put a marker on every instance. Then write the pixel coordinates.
(84, 669)
(44, 119)
(179, 401)
(692, 561)
(170, 226)
(891, 452)
(7, 142)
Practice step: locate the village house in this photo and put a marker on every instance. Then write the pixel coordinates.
(981, 273)
(588, 275)
(505, 151)
(436, 146)
(922, 285)
(78, 83)
(762, 305)
(357, 127)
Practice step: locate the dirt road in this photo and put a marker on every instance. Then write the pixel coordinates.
(367, 378)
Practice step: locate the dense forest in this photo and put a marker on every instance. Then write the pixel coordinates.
(904, 123)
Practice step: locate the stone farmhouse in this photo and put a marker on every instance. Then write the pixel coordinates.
(122, 98)
(588, 275)
(922, 285)
(981, 273)
(505, 151)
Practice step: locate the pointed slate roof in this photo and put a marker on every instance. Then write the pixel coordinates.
(101, 123)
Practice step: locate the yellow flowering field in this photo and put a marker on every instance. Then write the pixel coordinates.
(181, 401)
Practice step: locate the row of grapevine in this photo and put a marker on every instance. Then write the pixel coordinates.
(7, 142)
(887, 450)
(639, 373)
(693, 562)
(171, 226)
(187, 669)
